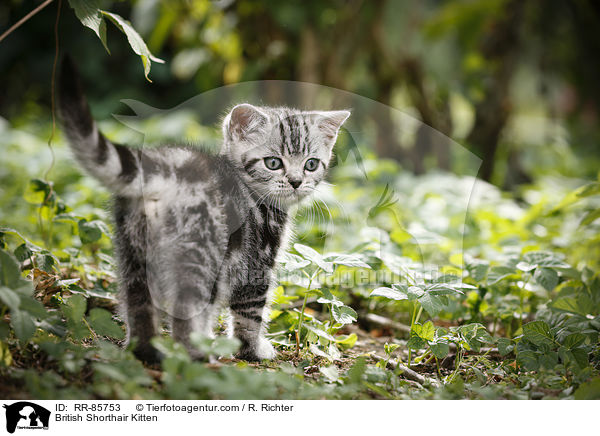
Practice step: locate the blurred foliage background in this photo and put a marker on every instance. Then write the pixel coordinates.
(514, 81)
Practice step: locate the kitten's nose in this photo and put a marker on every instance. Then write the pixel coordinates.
(295, 183)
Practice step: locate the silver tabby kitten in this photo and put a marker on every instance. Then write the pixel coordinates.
(198, 232)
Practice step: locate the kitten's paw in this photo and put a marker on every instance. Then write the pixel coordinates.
(263, 350)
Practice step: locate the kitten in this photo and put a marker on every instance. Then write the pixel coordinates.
(196, 232)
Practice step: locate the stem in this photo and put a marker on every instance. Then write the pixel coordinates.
(521, 297)
(419, 314)
(437, 364)
(310, 280)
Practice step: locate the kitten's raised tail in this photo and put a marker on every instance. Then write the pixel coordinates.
(116, 166)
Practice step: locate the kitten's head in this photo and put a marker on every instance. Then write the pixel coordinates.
(282, 153)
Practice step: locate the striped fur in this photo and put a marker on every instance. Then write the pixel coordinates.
(197, 232)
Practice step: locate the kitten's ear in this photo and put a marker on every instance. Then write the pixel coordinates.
(243, 122)
(330, 122)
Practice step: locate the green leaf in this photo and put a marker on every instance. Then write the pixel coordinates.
(330, 372)
(538, 332)
(10, 273)
(89, 231)
(432, 304)
(425, 331)
(319, 332)
(346, 341)
(589, 390)
(546, 277)
(292, 262)
(22, 252)
(102, 323)
(344, 314)
(414, 292)
(356, 371)
(22, 324)
(574, 340)
(440, 349)
(528, 360)
(581, 306)
(314, 256)
(135, 41)
(477, 268)
(392, 294)
(498, 273)
(4, 330)
(505, 346)
(588, 190)
(347, 260)
(88, 12)
(590, 217)
(75, 308)
(545, 258)
(10, 298)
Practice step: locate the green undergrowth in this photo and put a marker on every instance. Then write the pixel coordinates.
(394, 289)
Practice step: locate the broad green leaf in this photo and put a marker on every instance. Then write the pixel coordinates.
(33, 307)
(505, 346)
(588, 190)
(344, 314)
(414, 292)
(574, 340)
(347, 260)
(356, 371)
(135, 41)
(75, 308)
(319, 332)
(88, 12)
(45, 262)
(589, 390)
(10, 298)
(23, 325)
(538, 332)
(330, 372)
(590, 217)
(440, 349)
(4, 330)
(22, 252)
(416, 343)
(498, 273)
(346, 341)
(431, 303)
(545, 258)
(328, 298)
(89, 231)
(477, 268)
(425, 331)
(580, 305)
(528, 360)
(292, 262)
(10, 273)
(102, 323)
(392, 294)
(314, 348)
(546, 277)
(314, 256)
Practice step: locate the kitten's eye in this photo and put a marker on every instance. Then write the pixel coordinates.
(273, 163)
(311, 164)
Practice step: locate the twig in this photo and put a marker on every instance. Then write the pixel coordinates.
(24, 19)
(407, 372)
(386, 322)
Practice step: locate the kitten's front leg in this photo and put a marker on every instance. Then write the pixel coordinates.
(250, 313)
